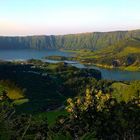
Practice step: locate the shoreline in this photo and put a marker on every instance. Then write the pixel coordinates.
(105, 66)
(129, 68)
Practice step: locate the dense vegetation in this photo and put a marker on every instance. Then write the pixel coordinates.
(107, 49)
(94, 41)
(44, 86)
(96, 113)
(45, 101)
(125, 54)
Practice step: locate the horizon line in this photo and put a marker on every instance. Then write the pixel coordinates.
(78, 33)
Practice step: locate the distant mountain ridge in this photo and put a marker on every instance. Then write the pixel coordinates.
(94, 41)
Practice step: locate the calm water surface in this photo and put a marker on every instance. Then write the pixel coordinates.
(24, 54)
(109, 74)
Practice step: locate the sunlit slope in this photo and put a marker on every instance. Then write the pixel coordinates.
(92, 41)
(125, 54)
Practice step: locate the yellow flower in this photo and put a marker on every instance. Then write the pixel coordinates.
(69, 100)
(78, 101)
(108, 96)
(69, 110)
(87, 91)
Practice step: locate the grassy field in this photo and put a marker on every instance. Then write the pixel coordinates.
(51, 116)
(127, 53)
(20, 101)
(124, 91)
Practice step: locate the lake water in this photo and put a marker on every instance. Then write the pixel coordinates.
(114, 74)
(24, 54)
(109, 74)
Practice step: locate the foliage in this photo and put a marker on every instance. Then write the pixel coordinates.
(13, 91)
(124, 54)
(51, 115)
(41, 86)
(15, 127)
(101, 117)
(95, 109)
(126, 92)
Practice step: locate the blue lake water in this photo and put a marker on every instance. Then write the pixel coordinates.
(109, 74)
(24, 54)
(114, 74)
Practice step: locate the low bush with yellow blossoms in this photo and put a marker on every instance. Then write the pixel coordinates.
(92, 98)
(99, 115)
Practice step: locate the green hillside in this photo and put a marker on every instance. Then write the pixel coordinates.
(94, 41)
(107, 49)
(45, 101)
(124, 54)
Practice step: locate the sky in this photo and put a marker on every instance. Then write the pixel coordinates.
(55, 17)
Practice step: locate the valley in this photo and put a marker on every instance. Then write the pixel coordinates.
(119, 49)
(52, 95)
(70, 92)
(69, 70)
(46, 86)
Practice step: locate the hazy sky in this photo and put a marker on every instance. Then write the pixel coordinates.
(29, 17)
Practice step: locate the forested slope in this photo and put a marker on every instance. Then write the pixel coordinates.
(94, 41)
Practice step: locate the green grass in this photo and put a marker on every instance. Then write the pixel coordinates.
(125, 92)
(126, 51)
(52, 66)
(15, 94)
(13, 91)
(51, 116)
(131, 68)
(20, 101)
(120, 51)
